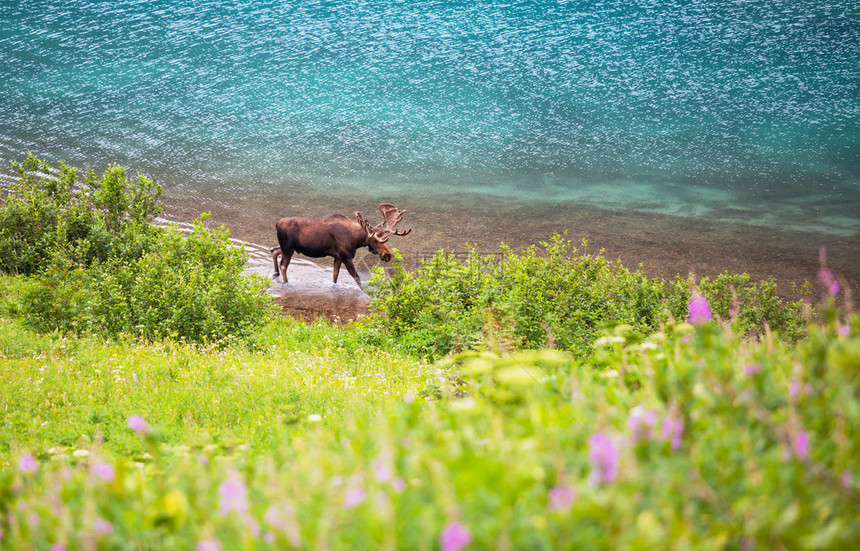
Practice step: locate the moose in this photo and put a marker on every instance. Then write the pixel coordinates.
(336, 236)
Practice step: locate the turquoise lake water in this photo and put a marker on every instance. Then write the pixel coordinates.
(740, 110)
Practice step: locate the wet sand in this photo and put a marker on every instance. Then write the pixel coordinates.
(662, 245)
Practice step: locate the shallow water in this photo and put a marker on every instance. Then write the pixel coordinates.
(735, 112)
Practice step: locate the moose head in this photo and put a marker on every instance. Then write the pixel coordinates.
(378, 235)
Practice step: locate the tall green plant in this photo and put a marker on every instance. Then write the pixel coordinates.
(555, 294)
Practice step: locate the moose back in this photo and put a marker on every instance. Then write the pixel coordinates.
(336, 236)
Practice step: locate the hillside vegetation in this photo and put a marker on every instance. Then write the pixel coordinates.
(552, 400)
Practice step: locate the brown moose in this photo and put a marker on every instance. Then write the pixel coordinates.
(336, 236)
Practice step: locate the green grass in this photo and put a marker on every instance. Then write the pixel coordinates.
(75, 392)
(401, 449)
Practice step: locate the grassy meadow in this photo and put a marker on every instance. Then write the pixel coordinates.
(553, 400)
(695, 437)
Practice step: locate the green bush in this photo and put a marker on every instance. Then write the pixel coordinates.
(50, 212)
(189, 287)
(96, 264)
(752, 304)
(553, 295)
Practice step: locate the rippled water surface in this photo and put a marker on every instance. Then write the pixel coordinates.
(741, 110)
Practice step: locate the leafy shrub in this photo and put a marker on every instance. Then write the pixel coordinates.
(752, 304)
(189, 287)
(553, 295)
(96, 263)
(52, 211)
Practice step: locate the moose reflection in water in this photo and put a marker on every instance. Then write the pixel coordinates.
(336, 236)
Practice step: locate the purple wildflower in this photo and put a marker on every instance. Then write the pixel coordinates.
(642, 422)
(672, 430)
(752, 368)
(382, 470)
(104, 471)
(800, 445)
(561, 498)
(138, 424)
(283, 519)
(398, 484)
(58, 547)
(102, 526)
(209, 545)
(846, 477)
(353, 497)
(844, 330)
(28, 464)
(828, 280)
(794, 389)
(604, 458)
(233, 496)
(454, 537)
(698, 309)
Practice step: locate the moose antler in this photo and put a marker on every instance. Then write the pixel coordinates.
(364, 223)
(391, 215)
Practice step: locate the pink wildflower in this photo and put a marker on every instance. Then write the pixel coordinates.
(104, 471)
(672, 430)
(283, 519)
(846, 477)
(58, 547)
(698, 309)
(382, 470)
(398, 484)
(752, 369)
(828, 280)
(844, 330)
(138, 424)
(28, 464)
(561, 498)
(604, 458)
(353, 497)
(209, 545)
(642, 422)
(794, 389)
(454, 537)
(233, 496)
(102, 526)
(800, 445)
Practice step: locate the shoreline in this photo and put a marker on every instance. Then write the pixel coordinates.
(658, 244)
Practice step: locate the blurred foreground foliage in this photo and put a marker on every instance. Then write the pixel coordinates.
(93, 261)
(697, 437)
(557, 295)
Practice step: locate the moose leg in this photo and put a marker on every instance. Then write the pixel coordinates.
(276, 253)
(336, 269)
(285, 263)
(350, 267)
